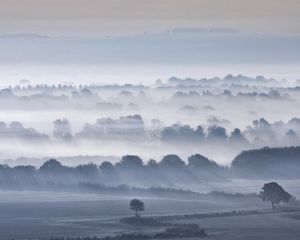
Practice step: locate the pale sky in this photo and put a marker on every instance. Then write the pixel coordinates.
(110, 17)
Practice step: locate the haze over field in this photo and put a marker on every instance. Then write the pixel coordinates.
(234, 113)
(138, 119)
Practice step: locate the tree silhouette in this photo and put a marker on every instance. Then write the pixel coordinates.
(172, 161)
(274, 193)
(130, 162)
(137, 206)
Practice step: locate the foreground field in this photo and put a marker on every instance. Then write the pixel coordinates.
(277, 226)
(45, 215)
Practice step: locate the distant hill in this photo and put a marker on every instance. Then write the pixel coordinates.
(267, 162)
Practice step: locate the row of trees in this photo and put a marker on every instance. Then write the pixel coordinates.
(170, 161)
(262, 164)
(131, 128)
(271, 192)
(258, 164)
(267, 163)
(129, 170)
(260, 133)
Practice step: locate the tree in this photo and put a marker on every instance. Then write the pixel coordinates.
(107, 168)
(137, 206)
(89, 171)
(236, 136)
(172, 161)
(130, 162)
(274, 193)
(62, 129)
(52, 165)
(215, 132)
(198, 161)
(152, 164)
(157, 127)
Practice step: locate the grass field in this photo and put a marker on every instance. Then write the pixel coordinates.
(42, 215)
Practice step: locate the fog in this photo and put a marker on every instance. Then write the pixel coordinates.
(190, 135)
(194, 150)
(138, 119)
(183, 116)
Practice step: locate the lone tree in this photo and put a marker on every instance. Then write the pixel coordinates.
(274, 193)
(137, 206)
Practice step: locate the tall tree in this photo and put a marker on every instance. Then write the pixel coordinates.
(274, 193)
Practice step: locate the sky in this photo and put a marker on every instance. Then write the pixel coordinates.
(115, 17)
(105, 41)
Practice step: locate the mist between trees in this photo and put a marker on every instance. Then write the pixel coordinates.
(280, 163)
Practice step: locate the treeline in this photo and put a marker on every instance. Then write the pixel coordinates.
(178, 231)
(267, 163)
(27, 86)
(129, 170)
(263, 163)
(229, 79)
(132, 128)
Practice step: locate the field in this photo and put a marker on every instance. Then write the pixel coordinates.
(44, 215)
